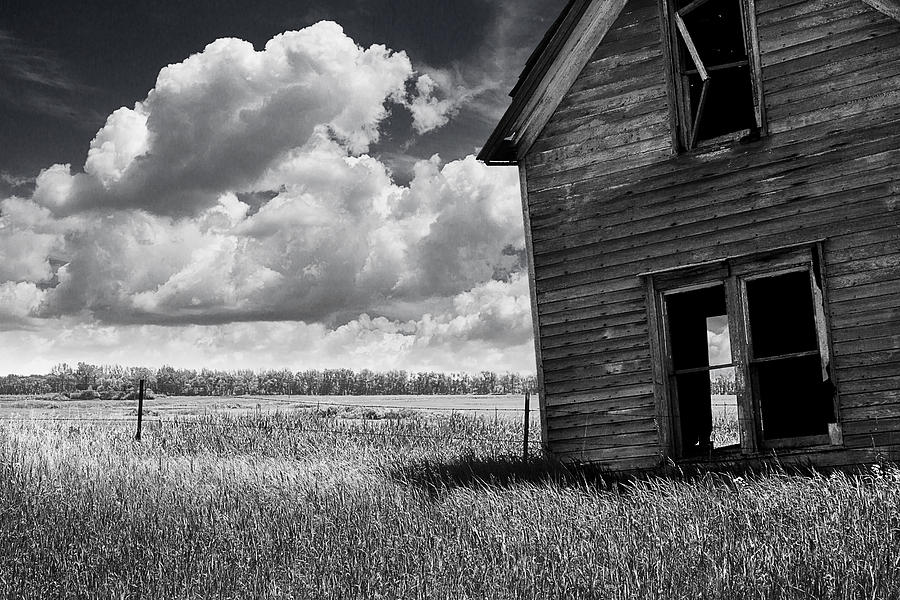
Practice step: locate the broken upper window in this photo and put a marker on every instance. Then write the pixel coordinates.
(716, 90)
(746, 348)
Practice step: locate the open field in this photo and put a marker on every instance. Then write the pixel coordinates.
(171, 407)
(307, 504)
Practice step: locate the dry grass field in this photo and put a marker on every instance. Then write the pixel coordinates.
(311, 504)
(171, 407)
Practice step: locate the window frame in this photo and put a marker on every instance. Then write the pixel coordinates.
(733, 273)
(684, 125)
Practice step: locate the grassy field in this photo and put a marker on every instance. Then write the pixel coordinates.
(171, 407)
(311, 504)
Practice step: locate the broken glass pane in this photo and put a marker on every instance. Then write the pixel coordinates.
(782, 320)
(795, 394)
(794, 400)
(729, 102)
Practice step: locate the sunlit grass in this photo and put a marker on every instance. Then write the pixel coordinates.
(726, 430)
(318, 505)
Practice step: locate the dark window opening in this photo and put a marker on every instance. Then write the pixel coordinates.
(717, 94)
(701, 369)
(788, 367)
(747, 356)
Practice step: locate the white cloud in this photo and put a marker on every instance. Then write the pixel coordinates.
(340, 238)
(477, 231)
(332, 255)
(28, 237)
(498, 338)
(15, 181)
(54, 186)
(430, 112)
(217, 121)
(18, 301)
(124, 137)
(718, 340)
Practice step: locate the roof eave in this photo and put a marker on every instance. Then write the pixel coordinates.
(500, 147)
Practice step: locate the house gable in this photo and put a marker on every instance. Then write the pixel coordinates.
(616, 115)
(549, 75)
(570, 46)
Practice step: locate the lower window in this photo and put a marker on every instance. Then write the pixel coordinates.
(748, 364)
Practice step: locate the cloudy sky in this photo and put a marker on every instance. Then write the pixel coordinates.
(269, 184)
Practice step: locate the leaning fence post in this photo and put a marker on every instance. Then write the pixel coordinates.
(527, 421)
(140, 410)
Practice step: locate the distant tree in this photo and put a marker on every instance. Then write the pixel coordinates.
(63, 378)
(86, 376)
(166, 379)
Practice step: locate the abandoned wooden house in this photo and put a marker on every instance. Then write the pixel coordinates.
(711, 192)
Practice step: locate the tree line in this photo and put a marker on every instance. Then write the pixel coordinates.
(64, 379)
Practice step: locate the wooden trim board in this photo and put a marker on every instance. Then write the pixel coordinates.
(535, 319)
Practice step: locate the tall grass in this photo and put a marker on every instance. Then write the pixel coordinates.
(280, 506)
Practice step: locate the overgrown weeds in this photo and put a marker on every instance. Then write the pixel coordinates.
(315, 505)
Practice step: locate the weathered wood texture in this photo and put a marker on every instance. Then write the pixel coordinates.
(609, 199)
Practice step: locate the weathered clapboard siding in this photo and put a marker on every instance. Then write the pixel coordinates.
(610, 199)
(618, 105)
(866, 333)
(838, 60)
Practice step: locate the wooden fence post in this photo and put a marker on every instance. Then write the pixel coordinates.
(140, 410)
(527, 422)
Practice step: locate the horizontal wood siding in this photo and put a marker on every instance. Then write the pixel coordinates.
(596, 355)
(826, 60)
(836, 63)
(609, 199)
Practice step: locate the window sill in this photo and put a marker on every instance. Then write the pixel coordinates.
(795, 446)
(804, 442)
(723, 142)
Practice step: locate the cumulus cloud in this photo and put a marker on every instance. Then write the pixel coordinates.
(239, 193)
(28, 238)
(477, 232)
(123, 138)
(446, 341)
(328, 247)
(18, 302)
(218, 120)
(718, 340)
(439, 95)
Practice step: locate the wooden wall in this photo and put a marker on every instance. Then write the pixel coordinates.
(609, 199)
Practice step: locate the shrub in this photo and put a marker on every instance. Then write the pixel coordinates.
(133, 395)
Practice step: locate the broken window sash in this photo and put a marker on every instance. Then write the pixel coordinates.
(786, 359)
(701, 70)
(691, 7)
(821, 328)
(692, 48)
(721, 36)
